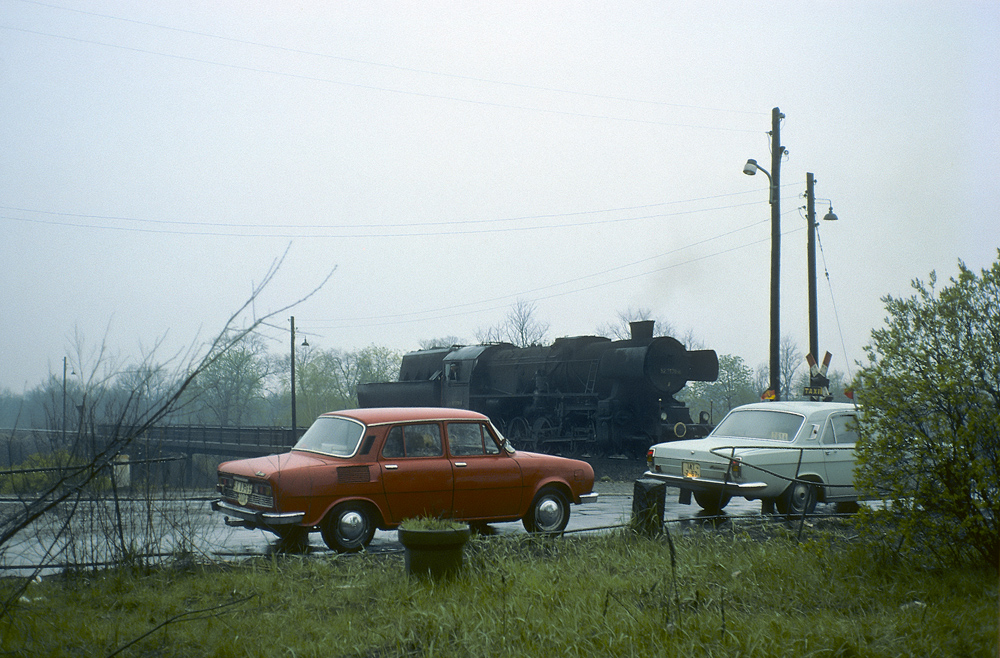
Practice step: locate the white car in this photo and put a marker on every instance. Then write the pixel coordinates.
(786, 454)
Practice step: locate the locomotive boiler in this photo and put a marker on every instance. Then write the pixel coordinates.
(580, 393)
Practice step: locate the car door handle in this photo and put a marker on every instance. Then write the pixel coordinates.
(391, 467)
(460, 464)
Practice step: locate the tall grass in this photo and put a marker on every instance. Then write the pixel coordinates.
(749, 591)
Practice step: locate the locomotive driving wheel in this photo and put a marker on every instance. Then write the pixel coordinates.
(519, 432)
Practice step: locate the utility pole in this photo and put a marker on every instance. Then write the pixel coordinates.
(777, 150)
(294, 425)
(811, 246)
(64, 405)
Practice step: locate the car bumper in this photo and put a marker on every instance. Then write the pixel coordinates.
(701, 484)
(256, 517)
(588, 498)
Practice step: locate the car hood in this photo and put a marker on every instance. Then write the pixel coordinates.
(274, 465)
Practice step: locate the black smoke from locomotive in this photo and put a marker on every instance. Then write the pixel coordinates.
(586, 391)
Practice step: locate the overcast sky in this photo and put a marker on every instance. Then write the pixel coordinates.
(451, 158)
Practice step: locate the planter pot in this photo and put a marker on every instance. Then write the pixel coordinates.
(434, 553)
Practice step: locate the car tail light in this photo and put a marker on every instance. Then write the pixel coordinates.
(649, 458)
(735, 468)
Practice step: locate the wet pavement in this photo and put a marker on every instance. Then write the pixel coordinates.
(189, 525)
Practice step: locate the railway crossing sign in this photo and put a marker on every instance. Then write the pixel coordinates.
(819, 385)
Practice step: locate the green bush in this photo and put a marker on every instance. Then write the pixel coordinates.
(42, 471)
(930, 422)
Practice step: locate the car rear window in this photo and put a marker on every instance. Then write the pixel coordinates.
(760, 424)
(331, 435)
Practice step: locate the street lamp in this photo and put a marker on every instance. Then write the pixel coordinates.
(64, 404)
(811, 248)
(774, 176)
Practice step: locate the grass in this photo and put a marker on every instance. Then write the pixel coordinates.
(743, 591)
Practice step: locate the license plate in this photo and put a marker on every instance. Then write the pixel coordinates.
(243, 488)
(691, 469)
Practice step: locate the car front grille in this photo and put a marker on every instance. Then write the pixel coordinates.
(247, 493)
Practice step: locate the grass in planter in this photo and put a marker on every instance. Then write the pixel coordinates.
(731, 593)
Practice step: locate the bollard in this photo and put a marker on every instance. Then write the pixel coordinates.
(648, 501)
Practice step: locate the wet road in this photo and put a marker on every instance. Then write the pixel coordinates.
(191, 525)
(612, 509)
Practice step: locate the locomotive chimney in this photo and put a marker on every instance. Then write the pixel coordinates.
(642, 331)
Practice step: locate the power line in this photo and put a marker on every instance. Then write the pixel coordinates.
(374, 233)
(573, 213)
(454, 310)
(396, 67)
(369, 87)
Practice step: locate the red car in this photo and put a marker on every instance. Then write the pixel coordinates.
(357, 470)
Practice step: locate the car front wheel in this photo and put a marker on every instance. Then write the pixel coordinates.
(549, 512)
(348, 527)
(799, 498)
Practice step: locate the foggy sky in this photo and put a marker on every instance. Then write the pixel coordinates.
(449, 159)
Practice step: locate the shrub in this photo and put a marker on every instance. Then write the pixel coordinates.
(930, 427)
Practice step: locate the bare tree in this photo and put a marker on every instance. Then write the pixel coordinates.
(790, 359)
(520, 327)
(110, 425)
(619, 329)
(228, 390)
(444, 341)
(761, 379)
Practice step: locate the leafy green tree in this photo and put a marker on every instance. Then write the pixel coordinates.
(930, 428)
(327, 380)
(734, 387)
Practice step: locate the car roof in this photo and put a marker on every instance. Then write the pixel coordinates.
(382, 415)
(799, 406)
(805, 407)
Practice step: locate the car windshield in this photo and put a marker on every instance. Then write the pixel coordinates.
(332, 435)
(760, 424)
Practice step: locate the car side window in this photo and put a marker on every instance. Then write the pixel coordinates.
(490, 442)
(845, 428)
(393, 448)
(465, 439)
(840, 430)
(423, 440)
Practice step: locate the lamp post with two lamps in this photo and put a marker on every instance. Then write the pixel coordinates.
(815, 381)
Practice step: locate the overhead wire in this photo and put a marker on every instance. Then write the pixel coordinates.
(397, 67)
(456, 309)
(376, 230)
(836, 312)
(370, 87)
(459, 223)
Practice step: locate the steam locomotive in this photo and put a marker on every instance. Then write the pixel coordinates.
(580, 393)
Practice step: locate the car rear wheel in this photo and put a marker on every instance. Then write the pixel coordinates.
(711, 502)
(549, 512)
(348, 527)
(799, 498)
